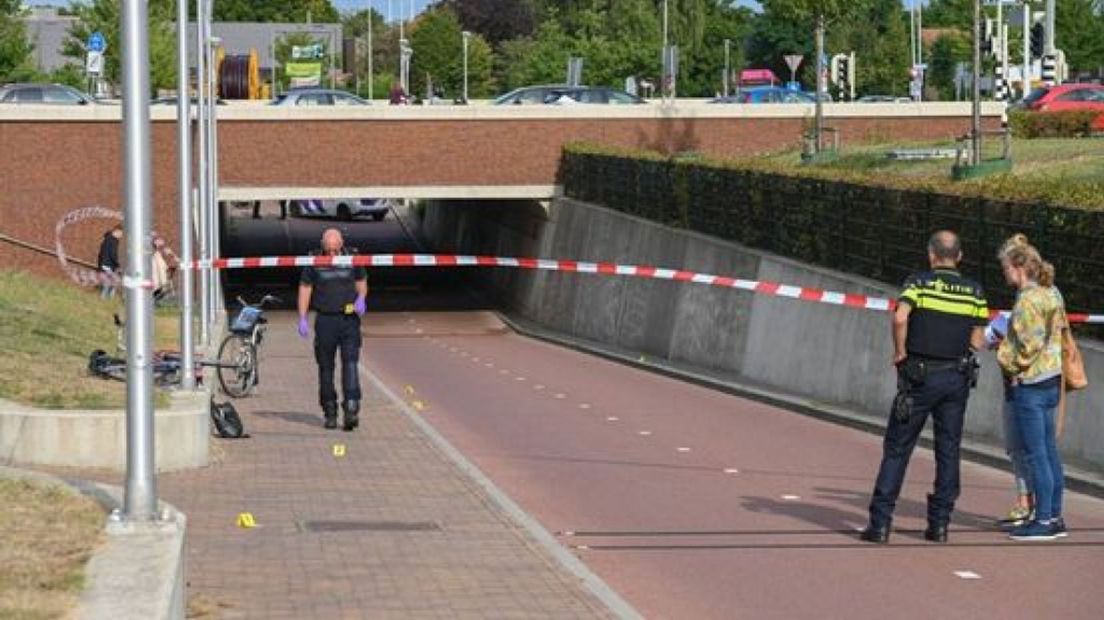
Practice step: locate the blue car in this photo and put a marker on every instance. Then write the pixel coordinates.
(769, 94)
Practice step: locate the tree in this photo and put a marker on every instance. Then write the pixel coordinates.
(289, 11)
(949, 14)
(438, 56)
(496, 20)
(103, 16)
(946, 53)
(16, 59)
(878, 34)
(1079, 26)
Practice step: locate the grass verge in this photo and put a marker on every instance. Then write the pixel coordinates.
(47, 536)
(48, 330)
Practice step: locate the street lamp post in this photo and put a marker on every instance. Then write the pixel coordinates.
(975, 131)
(465, 35)
(184, 183)
(666, 55)
(727, 67)
(140, 502)
(371, 78)
(201, 189)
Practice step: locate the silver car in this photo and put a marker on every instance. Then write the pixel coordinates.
(48, 94)
(318, 96)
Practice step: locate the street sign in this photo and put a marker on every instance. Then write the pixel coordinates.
(93, 64)
(96, 43)
(793, 61)
(307, 52)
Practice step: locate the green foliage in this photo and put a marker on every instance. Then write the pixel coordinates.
(293, 11)
(438, 56)
(69, 74)
(103, 16)
(1071, 124)
(947, 51)
(16, 51)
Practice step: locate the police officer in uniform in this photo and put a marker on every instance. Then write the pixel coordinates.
(337, 295)
(939, 322)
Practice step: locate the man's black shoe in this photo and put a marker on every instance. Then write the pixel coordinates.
(936, 533)
(352, 408)
(329, 415)
(874, 534)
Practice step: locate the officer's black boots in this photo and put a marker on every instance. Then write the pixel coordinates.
(329, 414)
(352, 408)
(876, 534)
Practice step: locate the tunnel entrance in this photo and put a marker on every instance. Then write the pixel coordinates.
(285, 228)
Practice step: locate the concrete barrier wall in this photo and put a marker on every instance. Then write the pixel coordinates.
(828, 354)
(73, 438)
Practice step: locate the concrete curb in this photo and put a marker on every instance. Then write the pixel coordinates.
(139, 570)
(975, 451)
(499, 499)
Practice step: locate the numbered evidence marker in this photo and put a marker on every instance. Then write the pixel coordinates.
(338, 450)
(409, 390)
(418, 405)
(246, 521)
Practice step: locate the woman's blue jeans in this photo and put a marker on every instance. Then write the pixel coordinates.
(1035, 407)
(1013, 445)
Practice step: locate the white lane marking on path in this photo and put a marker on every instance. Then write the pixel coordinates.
(612, 418)
(538, 387)
(519, 378)
(489, 365)
(966, 574)
(791, 498)
(560, 396)
(731, 470)
(584, 405)
(644, 433)
(683, 449)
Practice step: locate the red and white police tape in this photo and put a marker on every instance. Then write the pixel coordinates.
(760, 287)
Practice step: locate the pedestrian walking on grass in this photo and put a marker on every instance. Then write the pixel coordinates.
(107, 261)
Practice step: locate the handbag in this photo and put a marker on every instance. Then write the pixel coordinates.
(227, 422)
(1073, 365)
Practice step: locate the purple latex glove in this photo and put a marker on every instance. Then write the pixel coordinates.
(304, 327)
(360, 306)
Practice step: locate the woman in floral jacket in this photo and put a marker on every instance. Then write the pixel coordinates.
(1030, 358)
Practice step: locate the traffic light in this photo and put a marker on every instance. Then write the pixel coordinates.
(1038, 40)
(987, 35)
(844, 71)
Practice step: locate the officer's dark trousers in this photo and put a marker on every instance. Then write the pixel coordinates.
(333, 332)
(943, 395)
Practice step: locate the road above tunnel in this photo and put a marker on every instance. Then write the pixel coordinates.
(695, 504)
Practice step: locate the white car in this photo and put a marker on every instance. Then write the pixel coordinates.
(342, 208)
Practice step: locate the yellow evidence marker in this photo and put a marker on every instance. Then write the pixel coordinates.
(339, 450)
(418, 405)
(409, 390)
(246, 521)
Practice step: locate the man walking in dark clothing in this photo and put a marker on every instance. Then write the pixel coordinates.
(108, 261)
(337, 295)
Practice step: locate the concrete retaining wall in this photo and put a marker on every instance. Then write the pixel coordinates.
(97, 438)
(833, 355)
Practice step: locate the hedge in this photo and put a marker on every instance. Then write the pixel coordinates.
(1071, 124)
(877, 232)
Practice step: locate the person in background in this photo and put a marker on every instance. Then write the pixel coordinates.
(107, 261)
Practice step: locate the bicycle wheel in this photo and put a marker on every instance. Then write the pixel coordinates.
(237, 366)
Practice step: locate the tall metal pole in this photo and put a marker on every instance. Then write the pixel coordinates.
(728, 67)
(371, 77)
(912, 30)
(820, 86)
(666, 56)
(1050, 46)
(975, 133)
(1026, 81)
(212, 164)
(140, 503)
(202, 195)
(920, 37)
(184, 183)
(465, 35)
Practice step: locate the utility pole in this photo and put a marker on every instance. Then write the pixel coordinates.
(140, 502)
(666, 55)
(184, 186)
(820, 86)
(727, 66)
(975, 137)
(1026, 81)
(201, 190)
(465, 35)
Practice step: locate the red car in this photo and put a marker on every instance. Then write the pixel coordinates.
(1069, 97)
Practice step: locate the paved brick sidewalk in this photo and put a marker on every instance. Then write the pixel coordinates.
(390, 482)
